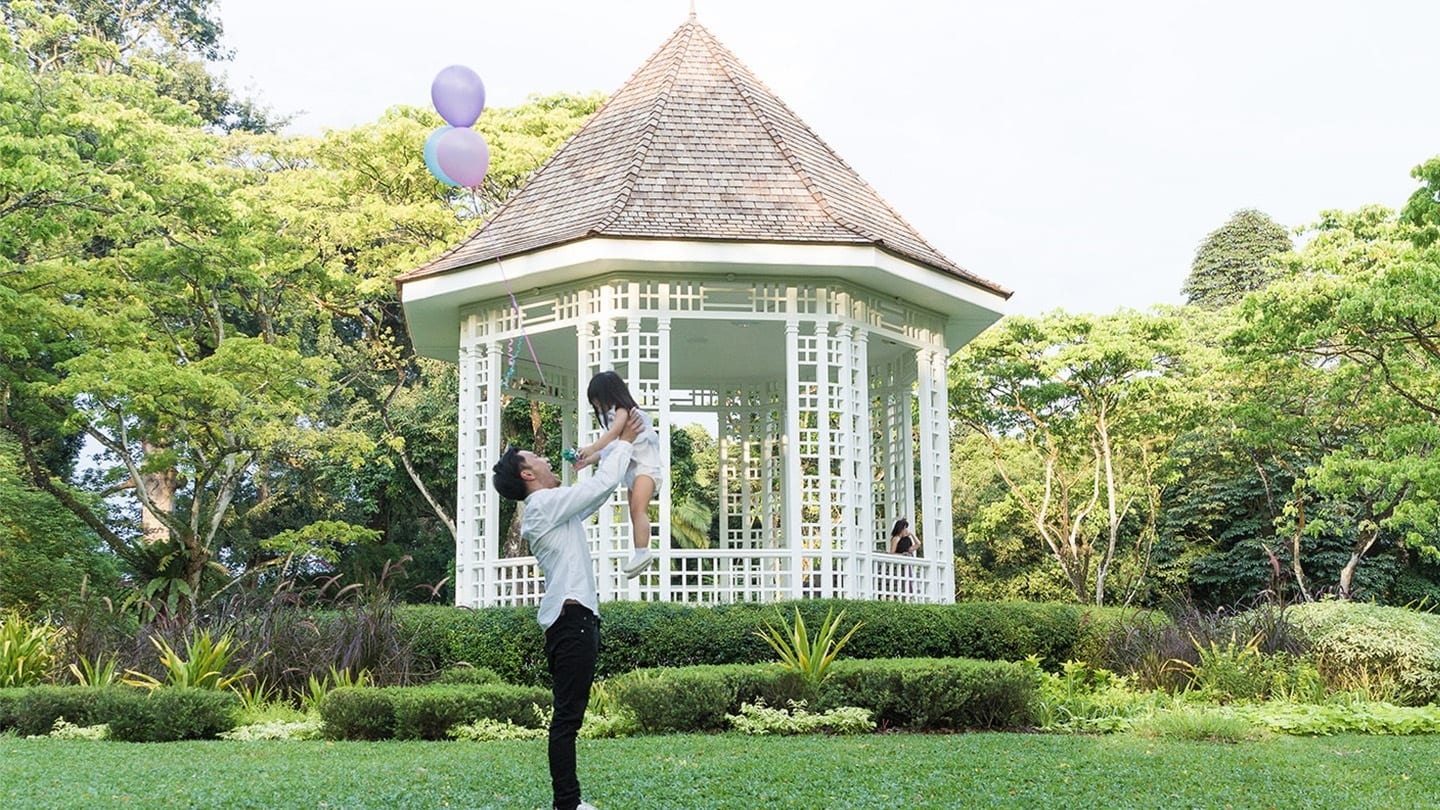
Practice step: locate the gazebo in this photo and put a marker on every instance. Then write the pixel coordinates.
(698, 238)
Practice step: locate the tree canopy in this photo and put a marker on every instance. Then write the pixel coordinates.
(1234, 259)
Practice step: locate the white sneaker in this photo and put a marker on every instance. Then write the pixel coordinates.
(585, 806)
(639, 561)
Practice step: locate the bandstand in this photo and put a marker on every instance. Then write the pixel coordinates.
(699, 239)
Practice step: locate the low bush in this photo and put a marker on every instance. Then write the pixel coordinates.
(919, 694)
(697, 698)
(1342, 717)
(649, 635)
(425, 712)
(64, 730)
(38, 707)
(473, 676)
(428, 712)
(486, 730)
(168, 713)
(1390, 653)
(932, 694)
(759, 719)
(1084, 699)
(686, 699)
(358, 713)
(303, 729)
(9, 704)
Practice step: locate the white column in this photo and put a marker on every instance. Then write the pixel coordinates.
(935, 472)
(666, 420)
(859, 466)
(792, 457)
(487, 558)
(466, 529)
(826, 403)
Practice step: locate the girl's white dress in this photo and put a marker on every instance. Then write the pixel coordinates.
(646, 460)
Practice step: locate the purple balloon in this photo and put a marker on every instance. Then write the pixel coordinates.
(463, 156)
(459, 95)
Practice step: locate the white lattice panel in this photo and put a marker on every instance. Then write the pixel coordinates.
(814, 465)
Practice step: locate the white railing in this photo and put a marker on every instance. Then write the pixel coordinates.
(724, 576)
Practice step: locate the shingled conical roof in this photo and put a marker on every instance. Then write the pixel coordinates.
(694, 147)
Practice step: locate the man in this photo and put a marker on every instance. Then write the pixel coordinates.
(553, 524)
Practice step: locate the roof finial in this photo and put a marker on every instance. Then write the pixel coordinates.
(692, 10)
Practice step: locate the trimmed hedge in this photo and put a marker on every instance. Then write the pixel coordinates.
(9, 703)
(36, 708)
(167, 714)
(697, 698)
(919, 694)
(134, 715)
(474, 676)
(642, 635)
(425, 712)
(357, 713)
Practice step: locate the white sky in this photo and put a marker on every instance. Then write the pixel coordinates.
(1076, 153)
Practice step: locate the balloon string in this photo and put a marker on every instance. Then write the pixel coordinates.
(519, 315)
(521, 319)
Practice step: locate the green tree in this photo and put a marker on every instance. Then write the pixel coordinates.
(691, 518)
(1360, 318)
(1093, 401)
(998, 553)
(46, 553)
(1234, 259)
(164, 42)
(146, 314)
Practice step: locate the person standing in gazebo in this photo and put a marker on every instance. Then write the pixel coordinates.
(553, 524)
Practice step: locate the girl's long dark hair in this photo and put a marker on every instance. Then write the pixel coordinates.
(900, 526)
(608, 391)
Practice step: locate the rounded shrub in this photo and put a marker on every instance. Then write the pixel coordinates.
(38, 707)
(468, 675)
(9, 705)
(429, 712)
(168, 714)
(1388, 652)
(934, 694)
(357, 713)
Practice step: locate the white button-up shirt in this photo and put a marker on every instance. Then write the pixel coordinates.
(554, 526)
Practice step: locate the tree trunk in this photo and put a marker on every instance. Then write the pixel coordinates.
(160, 487)
(1364, 539)
(515, 545)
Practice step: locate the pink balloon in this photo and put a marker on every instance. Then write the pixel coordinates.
(463, 155)
(459, 95)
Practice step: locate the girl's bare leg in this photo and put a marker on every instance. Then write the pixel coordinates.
(640, 494)
(641, 491)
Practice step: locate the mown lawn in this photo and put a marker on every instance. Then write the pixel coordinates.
(731, 771)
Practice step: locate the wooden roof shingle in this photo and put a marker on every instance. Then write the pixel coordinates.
(694, 147)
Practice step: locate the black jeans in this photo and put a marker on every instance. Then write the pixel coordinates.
(572, 644)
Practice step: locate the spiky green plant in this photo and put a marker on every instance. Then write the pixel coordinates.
(810, 657)
(316, 688)
(101, 671)
(202, 667)
(28, 650)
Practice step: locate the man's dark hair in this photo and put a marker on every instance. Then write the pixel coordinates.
(507, 480)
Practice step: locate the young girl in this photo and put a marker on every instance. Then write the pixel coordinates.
(613, 405)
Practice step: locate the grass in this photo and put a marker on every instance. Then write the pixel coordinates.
(732, 771)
